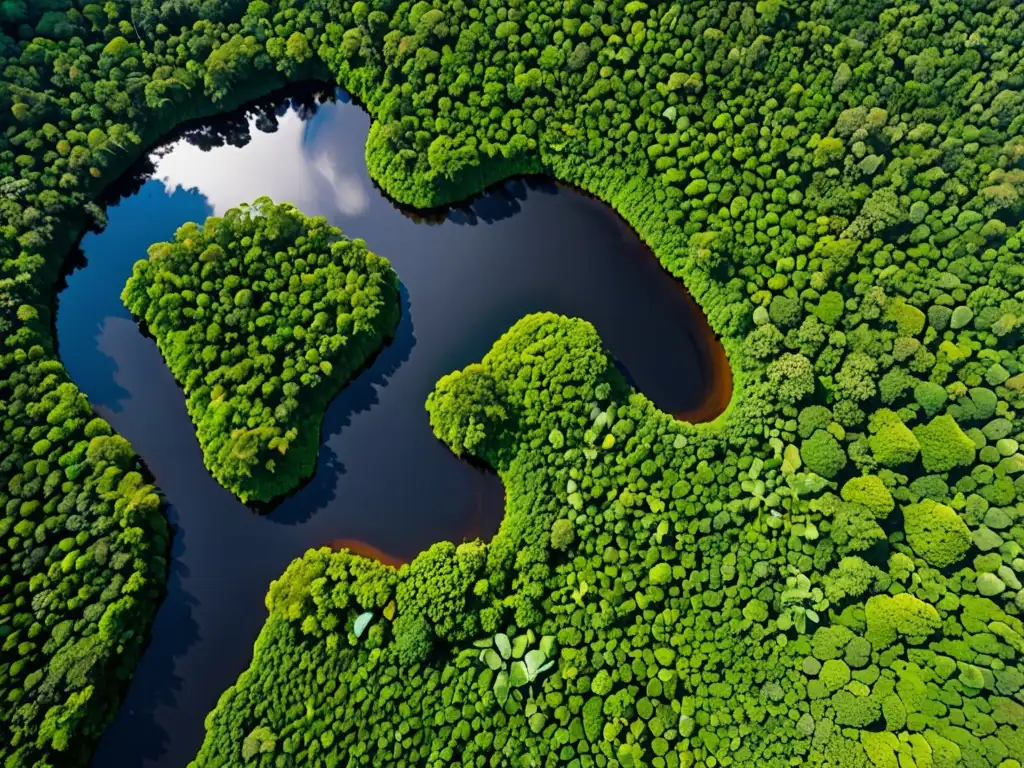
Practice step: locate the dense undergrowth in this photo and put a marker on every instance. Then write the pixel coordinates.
(262, 315)
(829, 575)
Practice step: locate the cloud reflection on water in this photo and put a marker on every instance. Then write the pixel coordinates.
(289, 161)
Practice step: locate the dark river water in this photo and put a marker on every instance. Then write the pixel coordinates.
(467, 274)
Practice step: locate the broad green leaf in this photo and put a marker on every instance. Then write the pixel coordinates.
(534, 661)
(791, 461)
(362, 622)
(547, 645)
(502, 644)
(519, 646)
(801, 622)
(795, 595)
(662, 531)
(492, 659)
(501, 688)
(518, 676)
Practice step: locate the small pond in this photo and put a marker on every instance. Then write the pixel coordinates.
(467, 274)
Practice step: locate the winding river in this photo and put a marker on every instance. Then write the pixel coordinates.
(467, 274)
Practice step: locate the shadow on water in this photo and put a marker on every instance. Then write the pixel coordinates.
(383, 484)
(496, 203)
(76, 339)
(360, 395)
(156, 683)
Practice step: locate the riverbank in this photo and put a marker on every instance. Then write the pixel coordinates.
(382, 478)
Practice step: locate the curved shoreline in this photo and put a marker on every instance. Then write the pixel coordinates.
(363, 549)
(705, 341)
(720, 383)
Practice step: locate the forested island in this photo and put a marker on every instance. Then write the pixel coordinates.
(262, 315)
(828, 574)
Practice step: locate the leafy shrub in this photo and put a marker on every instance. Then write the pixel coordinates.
(944, 445)
(869, 491)
(901, 616)
(892, 443)
(936, 533)
(823, 454)
(563, 534)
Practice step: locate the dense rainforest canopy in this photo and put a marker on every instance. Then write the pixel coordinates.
(828, 575)
(263, 315)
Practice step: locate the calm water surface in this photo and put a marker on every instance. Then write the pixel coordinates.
(467, 274)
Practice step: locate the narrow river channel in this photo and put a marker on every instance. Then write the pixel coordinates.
(467, 274)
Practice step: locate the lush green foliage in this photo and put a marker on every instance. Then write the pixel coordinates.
(263, 315)
(82, 545)
(689, 621)
(840, 186)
